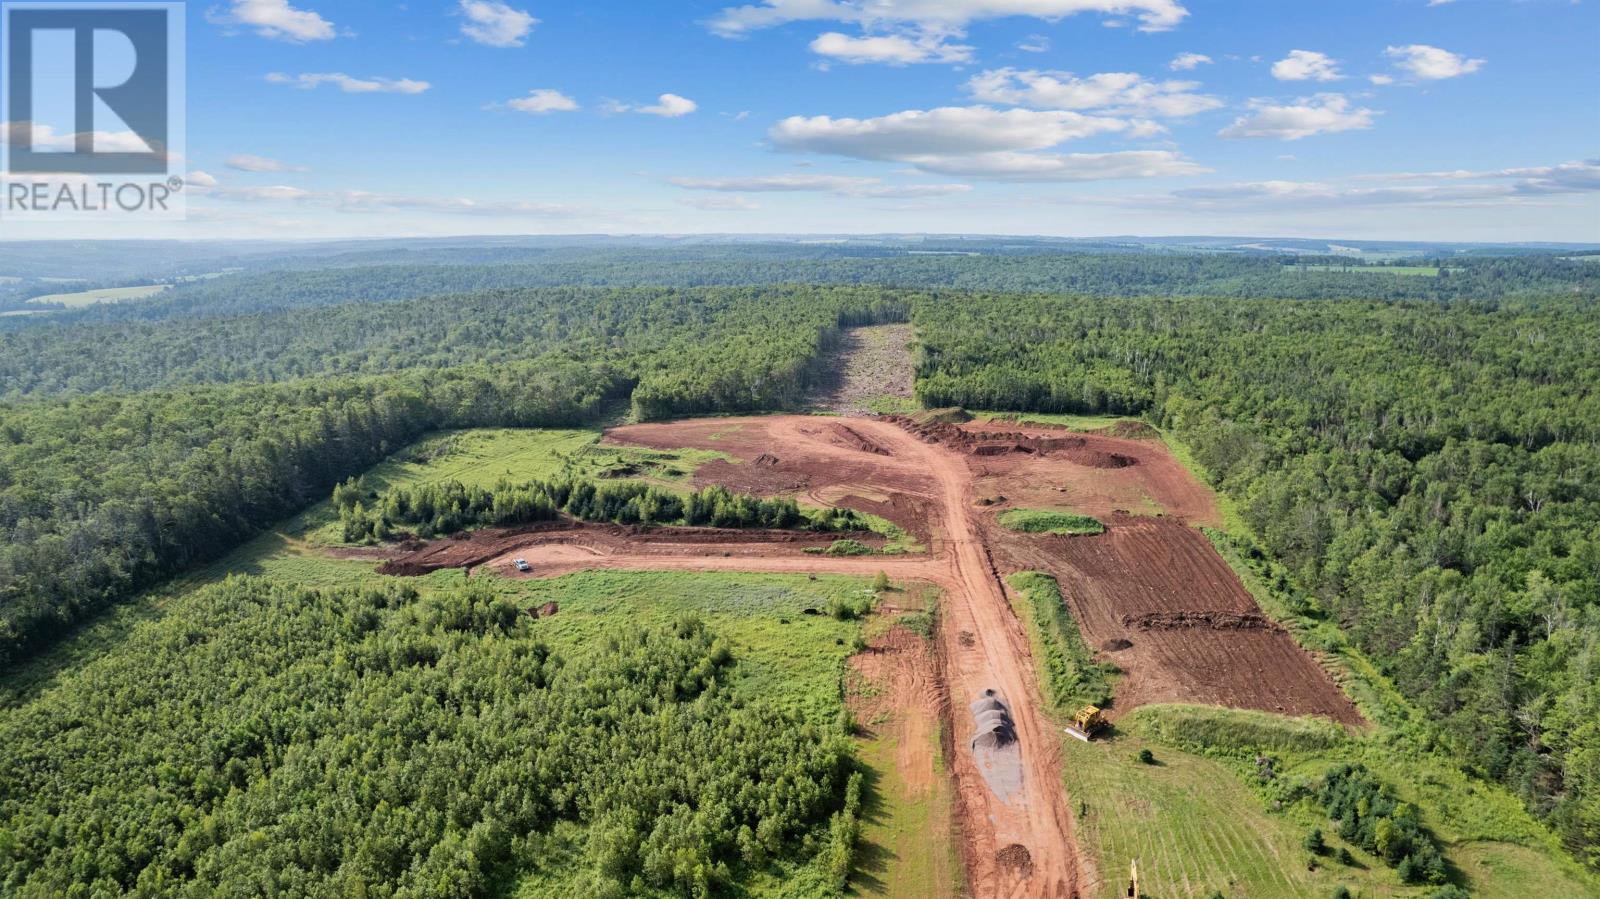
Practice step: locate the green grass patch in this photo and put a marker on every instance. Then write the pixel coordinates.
(1039, 521)
(1413, 271)
(1063, 420)
(84, 298)
(1067, 669)
(1242, 732)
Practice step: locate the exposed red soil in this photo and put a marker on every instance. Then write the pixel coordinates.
(1151, 591)
(1196, 633)
(565, 540)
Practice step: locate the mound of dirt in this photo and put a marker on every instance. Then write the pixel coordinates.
(951, 415)
(1099, 459)
(1015, 859)
(1218, 621)
(765, 460)
(1128, 429)
(1116, 645)
(849, 437)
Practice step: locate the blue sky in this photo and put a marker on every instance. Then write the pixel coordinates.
(1464, 120)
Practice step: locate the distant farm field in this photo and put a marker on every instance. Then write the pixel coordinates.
(1421, 271)
(104, 295)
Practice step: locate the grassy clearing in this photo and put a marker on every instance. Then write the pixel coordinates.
(1041, 521)
(104, 295)
(1067, 669)
(1070, 422)
(1493, 846)
(1414, 271)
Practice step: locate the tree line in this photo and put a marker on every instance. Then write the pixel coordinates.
(429, 510)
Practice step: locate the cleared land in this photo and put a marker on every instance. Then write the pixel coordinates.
(942, 483)
(876, 375)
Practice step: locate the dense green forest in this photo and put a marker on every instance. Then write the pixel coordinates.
(1429, 474)
(741, 348)
(277, 740)
(401, 275)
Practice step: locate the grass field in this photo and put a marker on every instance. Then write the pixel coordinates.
(1071, 422)
(1041, 521)
(1415, 271)
(104, 295)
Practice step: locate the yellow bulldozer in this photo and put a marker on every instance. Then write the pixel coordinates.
(1089, 721)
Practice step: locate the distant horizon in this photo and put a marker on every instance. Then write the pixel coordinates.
(735, 236)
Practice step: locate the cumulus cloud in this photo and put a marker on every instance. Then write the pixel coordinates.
(980, 142)
(249, 162)
(1322, 114)
(274, 19)
(1431, 63)
(668, 106)
(1185, 62)
(350, 85)
(950, 130)
(495, 24)
(1153, 15)
(1034, 43)
(1306, 65)
(543, 100)
(1116, 93)
(892, 49)
(838, 185)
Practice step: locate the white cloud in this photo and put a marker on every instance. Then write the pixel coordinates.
(1116, 93)
(359, 201)
(1041, 167)
(1034, 43)
(249, 162)
(943, 131)
(1185, 62)
(1153, 15)
(543, 100)
(1306, 65)
(495, 24)
(722, 204)
(199, 178)
(893, 49)
(1322, 114)
(1381, 80)
(981, 142)
(668, 106)
(1568, 177)
(274, 19)
(838, 185)
(375, 85)
(46, 138)
(1432, 63)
